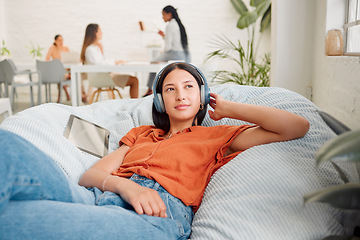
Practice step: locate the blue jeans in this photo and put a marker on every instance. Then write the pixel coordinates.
(38, 201)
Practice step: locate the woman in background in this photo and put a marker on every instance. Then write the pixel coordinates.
(92, 52)
(176, 42)
(56, 49)
(54, 52)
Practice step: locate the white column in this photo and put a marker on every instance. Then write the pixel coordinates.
(292, 45)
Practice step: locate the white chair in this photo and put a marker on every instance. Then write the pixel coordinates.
(103, 83)
(5, 107)
(2, 81)
(11, 72)
(52, 72)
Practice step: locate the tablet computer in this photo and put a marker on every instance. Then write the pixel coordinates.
(87, 136)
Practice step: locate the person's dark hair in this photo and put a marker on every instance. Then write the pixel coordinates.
(56, 37)
(184, 40)
(161, 120)
(89, 38)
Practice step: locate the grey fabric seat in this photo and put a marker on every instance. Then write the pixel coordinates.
(11, 73)
(52, 72)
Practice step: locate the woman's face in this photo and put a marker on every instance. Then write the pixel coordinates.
(99, 34)
(59, 41)
(181, 95)
(166, 16)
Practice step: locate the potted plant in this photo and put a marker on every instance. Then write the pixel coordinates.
(345, 147)
(251, 72)
(35, 51)
(4, 51)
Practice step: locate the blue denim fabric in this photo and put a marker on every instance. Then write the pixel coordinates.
(175, 209)
(38, 201)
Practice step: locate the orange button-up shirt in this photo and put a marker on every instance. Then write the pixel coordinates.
(182, 164)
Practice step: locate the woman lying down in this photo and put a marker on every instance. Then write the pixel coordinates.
(151, 186)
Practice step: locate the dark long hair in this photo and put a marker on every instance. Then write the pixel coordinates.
(161, 120)
(56, 37)
(89, 38)
(184, 40)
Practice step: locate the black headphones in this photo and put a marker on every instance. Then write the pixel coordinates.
(204, 89)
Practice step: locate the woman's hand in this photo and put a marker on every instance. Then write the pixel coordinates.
(218, 103)
(161, 33)
(144, 200)
(117, 62)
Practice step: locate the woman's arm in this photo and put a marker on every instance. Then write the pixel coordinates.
(144, 200)
(49, 53)
(274, 124)
(66, 49)
(95, 176)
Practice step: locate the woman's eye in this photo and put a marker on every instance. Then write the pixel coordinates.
(189, 86)
(169, 89)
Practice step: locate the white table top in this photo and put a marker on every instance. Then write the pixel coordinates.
(125, 67)
(122, 68)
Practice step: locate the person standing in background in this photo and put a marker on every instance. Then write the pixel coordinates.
(54, 52)
(93, 53)
(176, 42)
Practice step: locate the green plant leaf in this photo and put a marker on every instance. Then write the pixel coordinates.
(247, 19)
(345, 147)
(255, 3)
(249, 72)
(345, 196)
(262, 7)
(266, 20)
(239, 6)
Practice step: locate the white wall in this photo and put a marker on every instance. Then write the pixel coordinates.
(38, 21)
(2, 20)
(292, 45)
(299, 61)
(336, 84)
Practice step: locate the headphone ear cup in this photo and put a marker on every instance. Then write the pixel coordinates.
(204, 88)
(159, 103)
(202, 94)
(206, 94)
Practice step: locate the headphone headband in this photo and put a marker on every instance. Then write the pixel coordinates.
(204, 88)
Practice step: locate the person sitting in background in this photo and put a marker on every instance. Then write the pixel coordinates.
(176, 42)
(92, 52)
(54, 52)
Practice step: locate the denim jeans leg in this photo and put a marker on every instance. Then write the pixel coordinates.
(26, 173)
(43, 220)
(179, 215)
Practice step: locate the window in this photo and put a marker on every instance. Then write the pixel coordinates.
(352, 28)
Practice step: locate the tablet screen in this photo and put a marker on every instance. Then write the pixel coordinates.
(87, 136)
